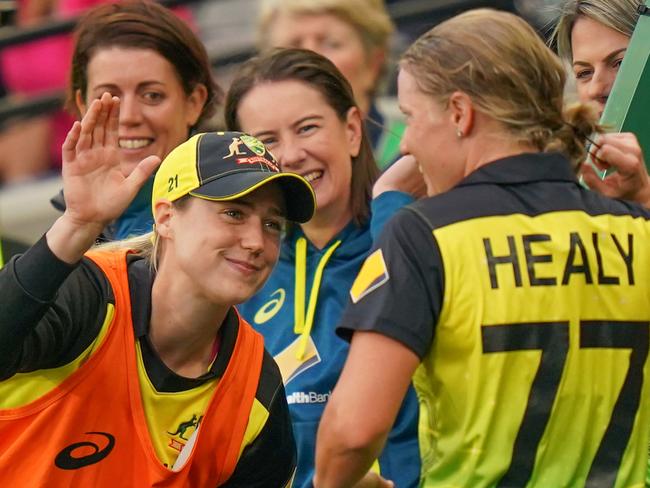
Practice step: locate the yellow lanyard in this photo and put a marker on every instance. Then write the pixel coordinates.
(2, 263)
(303, 323)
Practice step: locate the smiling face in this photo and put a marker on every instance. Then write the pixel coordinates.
(222, 251)
(155, 112)
(307, 137)
(430, 136)
(597, 55)
(335, 39)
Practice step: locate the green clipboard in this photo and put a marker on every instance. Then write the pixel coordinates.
(628, 106)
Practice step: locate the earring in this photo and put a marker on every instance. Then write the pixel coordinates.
(459, 133)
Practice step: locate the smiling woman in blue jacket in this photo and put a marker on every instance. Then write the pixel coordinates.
(301, 107)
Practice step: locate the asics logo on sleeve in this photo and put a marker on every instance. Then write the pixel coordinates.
(67, 460)
(270, 308)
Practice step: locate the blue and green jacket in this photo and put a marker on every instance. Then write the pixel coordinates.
(311, 360)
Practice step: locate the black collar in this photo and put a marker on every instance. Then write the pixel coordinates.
(163, 379)
(523, 168)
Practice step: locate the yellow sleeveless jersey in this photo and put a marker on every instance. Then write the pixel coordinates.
(528, 300)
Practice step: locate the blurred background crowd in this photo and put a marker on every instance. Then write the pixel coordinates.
(482, 105)
(35, 50)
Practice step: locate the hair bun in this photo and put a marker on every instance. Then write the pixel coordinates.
(579, 123)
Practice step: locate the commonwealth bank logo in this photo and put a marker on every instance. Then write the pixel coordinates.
(372, 275)
(289, 362)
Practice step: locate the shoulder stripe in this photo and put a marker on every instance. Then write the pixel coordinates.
(372, 275)
(270, 380)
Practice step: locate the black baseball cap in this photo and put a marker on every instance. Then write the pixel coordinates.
(223, 166)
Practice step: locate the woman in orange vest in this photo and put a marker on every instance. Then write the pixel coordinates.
(128, 365)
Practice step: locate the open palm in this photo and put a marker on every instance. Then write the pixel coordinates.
(96, 190)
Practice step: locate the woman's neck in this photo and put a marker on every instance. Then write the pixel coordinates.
(183, 326)
(491, 143)
(364, 104)
(325, 225)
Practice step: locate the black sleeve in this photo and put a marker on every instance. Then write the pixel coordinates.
(270, 460)
(399, 289)
(49, 311)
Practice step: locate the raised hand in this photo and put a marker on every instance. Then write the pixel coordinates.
(96, 191)
(622, 152)
(404, 175)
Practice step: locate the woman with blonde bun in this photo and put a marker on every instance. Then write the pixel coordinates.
(503, 291)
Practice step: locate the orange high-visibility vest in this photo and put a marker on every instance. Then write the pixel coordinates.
(91, 431)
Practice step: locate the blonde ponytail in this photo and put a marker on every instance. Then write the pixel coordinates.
(579, 125)
(146, 245)
(509, 73)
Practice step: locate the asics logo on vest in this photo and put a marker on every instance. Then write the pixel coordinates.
(270, 308)
(66, 459)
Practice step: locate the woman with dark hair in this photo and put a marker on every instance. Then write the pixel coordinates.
(593, 36)
(143, 53)
(355, 36)
(301, 107)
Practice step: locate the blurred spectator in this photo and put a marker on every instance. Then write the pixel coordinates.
(539, 13)
(32, 146)
(593, 37)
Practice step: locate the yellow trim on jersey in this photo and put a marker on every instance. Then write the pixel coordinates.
(504, 271)
(172, 417)
(256, 422)
(24, 388)
(293, 477)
